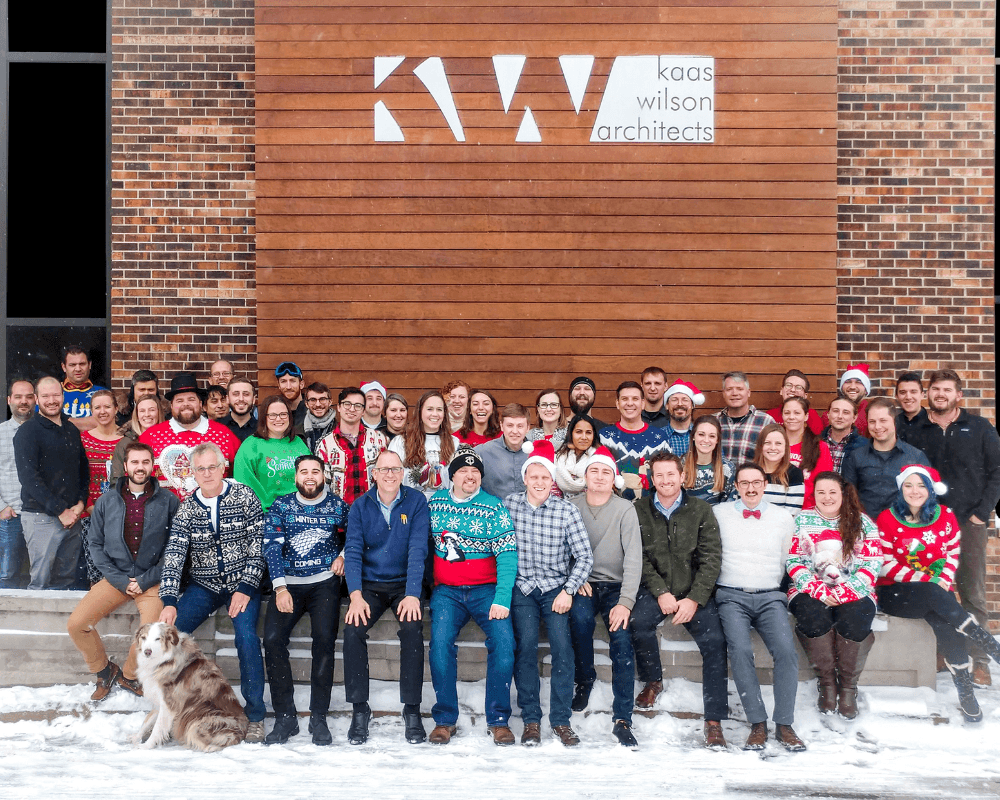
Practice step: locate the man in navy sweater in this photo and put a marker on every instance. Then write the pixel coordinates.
(388, 529)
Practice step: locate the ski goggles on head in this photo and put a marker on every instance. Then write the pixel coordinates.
(287, 368)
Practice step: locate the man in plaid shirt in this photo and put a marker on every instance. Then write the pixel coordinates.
(349, 451)
(741, 422)
(551, 536)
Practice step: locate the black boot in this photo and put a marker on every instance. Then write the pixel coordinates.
(285, 727)
(319, 729)
(581, 697)
(358, 732)
(414, 725)
(967, 703)
(982, 637)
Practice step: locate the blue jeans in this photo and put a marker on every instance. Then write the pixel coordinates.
(527, 612)
(451, 608)
(582, 622)
(196, 605)
(12, 552)
(768, 613)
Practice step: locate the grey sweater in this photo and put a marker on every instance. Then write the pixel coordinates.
(617, 544)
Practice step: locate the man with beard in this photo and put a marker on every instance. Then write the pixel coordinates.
(303, 535)
(54, 474)
(321, 416)
(375, 395)
(242, 417)
(680, 400)
(290, 384)
(174, 440)
(582, 394)
(965, 450)
(21, 399)
(129, 528)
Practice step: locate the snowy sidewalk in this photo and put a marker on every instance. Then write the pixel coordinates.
(894, 750)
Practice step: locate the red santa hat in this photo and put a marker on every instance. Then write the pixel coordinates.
(928, 472)
(540, 452)
(603, 456)
(857, 372)
(683, 387)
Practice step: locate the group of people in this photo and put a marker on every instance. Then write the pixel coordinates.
(721, 522)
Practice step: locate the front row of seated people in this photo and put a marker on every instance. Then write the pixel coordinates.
(509, 565)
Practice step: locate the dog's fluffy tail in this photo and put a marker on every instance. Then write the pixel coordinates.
(211, 734)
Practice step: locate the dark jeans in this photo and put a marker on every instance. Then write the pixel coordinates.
(936, 605)
(970, 579)
(321, 601)
(381, 597)
(706, 630)
(815, 618)
(527, 613)
(195, 606)
(451, 609)
(582, 623)
(12, 553)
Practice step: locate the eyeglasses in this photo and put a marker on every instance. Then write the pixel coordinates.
(549, 406)
(793, 387)
(388, 470)
(314, 400)
(748, 484)
(208, 470)
(355, 406)
(279, 415)
(287, 368)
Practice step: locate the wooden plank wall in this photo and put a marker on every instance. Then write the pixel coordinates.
(518, 266)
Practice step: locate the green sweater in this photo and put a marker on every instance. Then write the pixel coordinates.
(682, 555)
(268, 466)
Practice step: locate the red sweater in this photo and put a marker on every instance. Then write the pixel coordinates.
(172, 446)
(823, 464)
(918, 552)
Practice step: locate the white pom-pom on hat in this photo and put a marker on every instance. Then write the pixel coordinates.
(857, 372)
(685, 388)
(540, 452)
(928, 472)
(602, 455)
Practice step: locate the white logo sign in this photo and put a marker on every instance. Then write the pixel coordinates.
(647, 100)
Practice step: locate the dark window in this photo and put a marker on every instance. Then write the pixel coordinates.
(33, 351)
(57, 26)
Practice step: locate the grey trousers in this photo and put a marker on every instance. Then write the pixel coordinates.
(53, 551)
(970, 579)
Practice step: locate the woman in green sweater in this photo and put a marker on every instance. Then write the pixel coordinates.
(266, 460)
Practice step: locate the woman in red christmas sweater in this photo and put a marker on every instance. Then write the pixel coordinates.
(921, 544)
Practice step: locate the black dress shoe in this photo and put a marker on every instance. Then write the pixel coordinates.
(358, 732)
(414, 726)
(285, 727)
(319, 729)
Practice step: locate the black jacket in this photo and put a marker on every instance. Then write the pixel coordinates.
(967, 455)
(108, 549)
(51, 465)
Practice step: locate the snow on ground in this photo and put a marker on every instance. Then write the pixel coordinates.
(64, 747)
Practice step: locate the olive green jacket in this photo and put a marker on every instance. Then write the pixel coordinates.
(682, 555)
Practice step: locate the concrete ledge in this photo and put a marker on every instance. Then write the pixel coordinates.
(35, 649)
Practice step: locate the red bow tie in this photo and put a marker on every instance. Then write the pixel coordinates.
(747, 513)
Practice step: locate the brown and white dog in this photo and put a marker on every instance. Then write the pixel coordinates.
(192, 701)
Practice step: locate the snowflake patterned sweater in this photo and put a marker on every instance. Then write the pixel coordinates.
(915, 551)
(474, 543)
(302, 538)
(816, 564)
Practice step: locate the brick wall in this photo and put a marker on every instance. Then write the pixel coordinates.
(916, 182)
(183, 185)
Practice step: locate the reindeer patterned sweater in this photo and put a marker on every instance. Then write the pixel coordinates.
(474, 543)
(816, 564)
(916, 551)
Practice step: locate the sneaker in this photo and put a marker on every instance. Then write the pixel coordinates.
(788, 738)
(647, 697)
(130, 684)
(255, 733)
(285, 727)
(502, 735)
(623, 733)
(566, 735)
(319, 729)
(442, 734)
(581, 697)
(757, 740)
(532, 734)
(106, 680)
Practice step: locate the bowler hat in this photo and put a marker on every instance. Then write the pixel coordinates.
(185, 382)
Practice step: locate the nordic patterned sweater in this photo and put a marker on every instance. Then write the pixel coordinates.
(632, 449)
(915, 551)
(816, 565)
(474, 543)
(302, 538)
(224, 556)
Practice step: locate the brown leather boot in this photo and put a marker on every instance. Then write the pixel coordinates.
(981, 675)
(441, 734)
(647, 697)
(714, 740)
(823, 660)
(851, 657)
(532, 734)
(106, 680)
(566, 735)
(757, 740)
(788, 738)
(502, 735)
